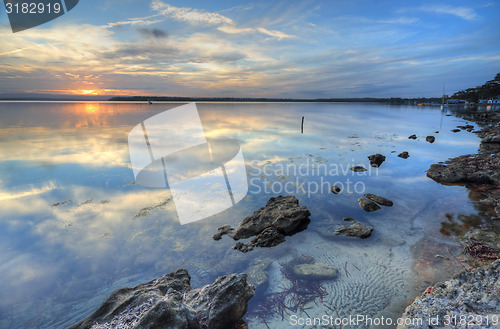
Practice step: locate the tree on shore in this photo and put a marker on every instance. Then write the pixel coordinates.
(491, 89)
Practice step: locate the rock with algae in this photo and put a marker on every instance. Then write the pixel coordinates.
(473, 296)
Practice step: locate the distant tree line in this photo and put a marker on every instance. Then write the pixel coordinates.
(394, 100)
(490, 89)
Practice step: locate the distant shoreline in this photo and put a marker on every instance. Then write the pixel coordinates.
(392, 100)
(273, 100)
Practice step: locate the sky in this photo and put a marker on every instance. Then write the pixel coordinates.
(278, 49)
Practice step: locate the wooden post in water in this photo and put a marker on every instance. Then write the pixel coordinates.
(302, 126)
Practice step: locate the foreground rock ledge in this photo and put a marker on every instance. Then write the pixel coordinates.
(470, 295)
(170, 302)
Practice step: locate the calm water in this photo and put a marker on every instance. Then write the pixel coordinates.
(74, 226)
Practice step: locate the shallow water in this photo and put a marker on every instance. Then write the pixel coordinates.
(74, 226)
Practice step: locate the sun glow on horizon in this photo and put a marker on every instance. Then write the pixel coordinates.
(88, 92)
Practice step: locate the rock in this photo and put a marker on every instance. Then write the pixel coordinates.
(436, 132)
(404, 155)
(270, 237)
(243, 247)
(484, 236)
(348, 219)
(478, 169)
(430, 139)
(282, 216)
(455, 130)
(491, 139)
(413, 137)
(170, 302)
(226, 229)
(223, 303)
(356, 229)
(368, 205)
(470, 295)
(489, 148)
(378, 199)
(376, 160)
(335, 189)
(257, 275)
(358, 169)
(469, 128)
(316, 271)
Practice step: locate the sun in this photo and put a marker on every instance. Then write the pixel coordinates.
(88, 92)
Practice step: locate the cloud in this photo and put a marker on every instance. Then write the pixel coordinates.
(190, 15)
(225, 24)
(467, 14)
(136, 21)
(277, 34)
(153, 33)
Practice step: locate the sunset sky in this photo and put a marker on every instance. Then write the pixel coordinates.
(299, 49)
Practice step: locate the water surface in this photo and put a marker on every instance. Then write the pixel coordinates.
(74, 226)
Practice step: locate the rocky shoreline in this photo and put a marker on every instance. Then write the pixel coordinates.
(472, 298)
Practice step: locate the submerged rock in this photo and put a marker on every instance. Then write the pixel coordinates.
(358, 169)
(376, 160)
(316, 271)
(170, 302)
(282, 216)
(380, 200)
(412, 137)
(368, 205)
(357, 229)
(470, 295)
(404, 155)
(257, 274)
(430, 139)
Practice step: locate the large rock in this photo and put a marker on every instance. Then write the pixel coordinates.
(471, 296)
(376, 160)
(478, 169)
(368, 205)
(280, 217)
(430, 139)
(356, 229)
(170, 302)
